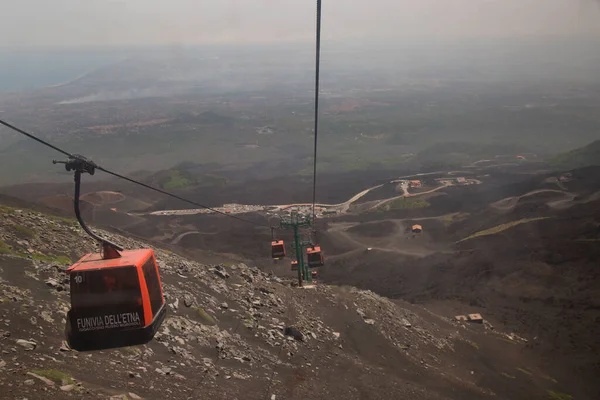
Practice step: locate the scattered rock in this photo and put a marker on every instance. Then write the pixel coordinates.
(180, 341)
(224, 305)
(336, 335)
(294, 332)
(133, 396)
(67, 388)
(26, 344)
(369, 321)
(53, 283)
(29, 382)
(221, 272)
(265, 290)
(47, 316)
(188, 300)
(240, 376)
(41, 378)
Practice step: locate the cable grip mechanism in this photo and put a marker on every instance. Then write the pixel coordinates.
(80, 165)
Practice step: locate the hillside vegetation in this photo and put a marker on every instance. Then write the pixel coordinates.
(582, 157)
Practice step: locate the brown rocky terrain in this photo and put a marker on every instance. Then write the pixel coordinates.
(525, 254)
(225, 335)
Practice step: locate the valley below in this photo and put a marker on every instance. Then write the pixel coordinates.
(515, 244)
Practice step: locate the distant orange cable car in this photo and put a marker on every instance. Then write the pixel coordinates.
(277, 249)
(294, 265)
(314, 256)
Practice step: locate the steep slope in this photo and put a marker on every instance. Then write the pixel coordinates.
(525, 255)
(540, 278)
(224, 336)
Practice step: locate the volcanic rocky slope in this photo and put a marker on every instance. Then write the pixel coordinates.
(524, 253)
(234, 332)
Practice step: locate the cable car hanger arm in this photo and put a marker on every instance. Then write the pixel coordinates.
(80, 165)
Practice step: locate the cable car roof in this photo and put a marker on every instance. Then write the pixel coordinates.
(315, 249)
(95, 260)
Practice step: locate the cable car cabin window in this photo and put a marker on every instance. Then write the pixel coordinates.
(314, 258)
(106, 299)
(153, 285)
(114, 286)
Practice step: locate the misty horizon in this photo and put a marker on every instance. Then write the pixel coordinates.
(308, 44)
(188, 22)
(29, 68)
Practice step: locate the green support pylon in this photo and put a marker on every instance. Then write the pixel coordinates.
(295, 222)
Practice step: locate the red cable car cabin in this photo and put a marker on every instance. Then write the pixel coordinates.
(115, 302)
(294, 265)
(277, 249)
(314, 256)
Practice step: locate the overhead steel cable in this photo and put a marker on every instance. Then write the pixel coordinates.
(31, 136)
(317, 78)
(317, 70)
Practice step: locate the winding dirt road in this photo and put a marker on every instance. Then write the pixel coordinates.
(338, 208)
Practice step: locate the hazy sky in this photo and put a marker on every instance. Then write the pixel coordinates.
(109, 22)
